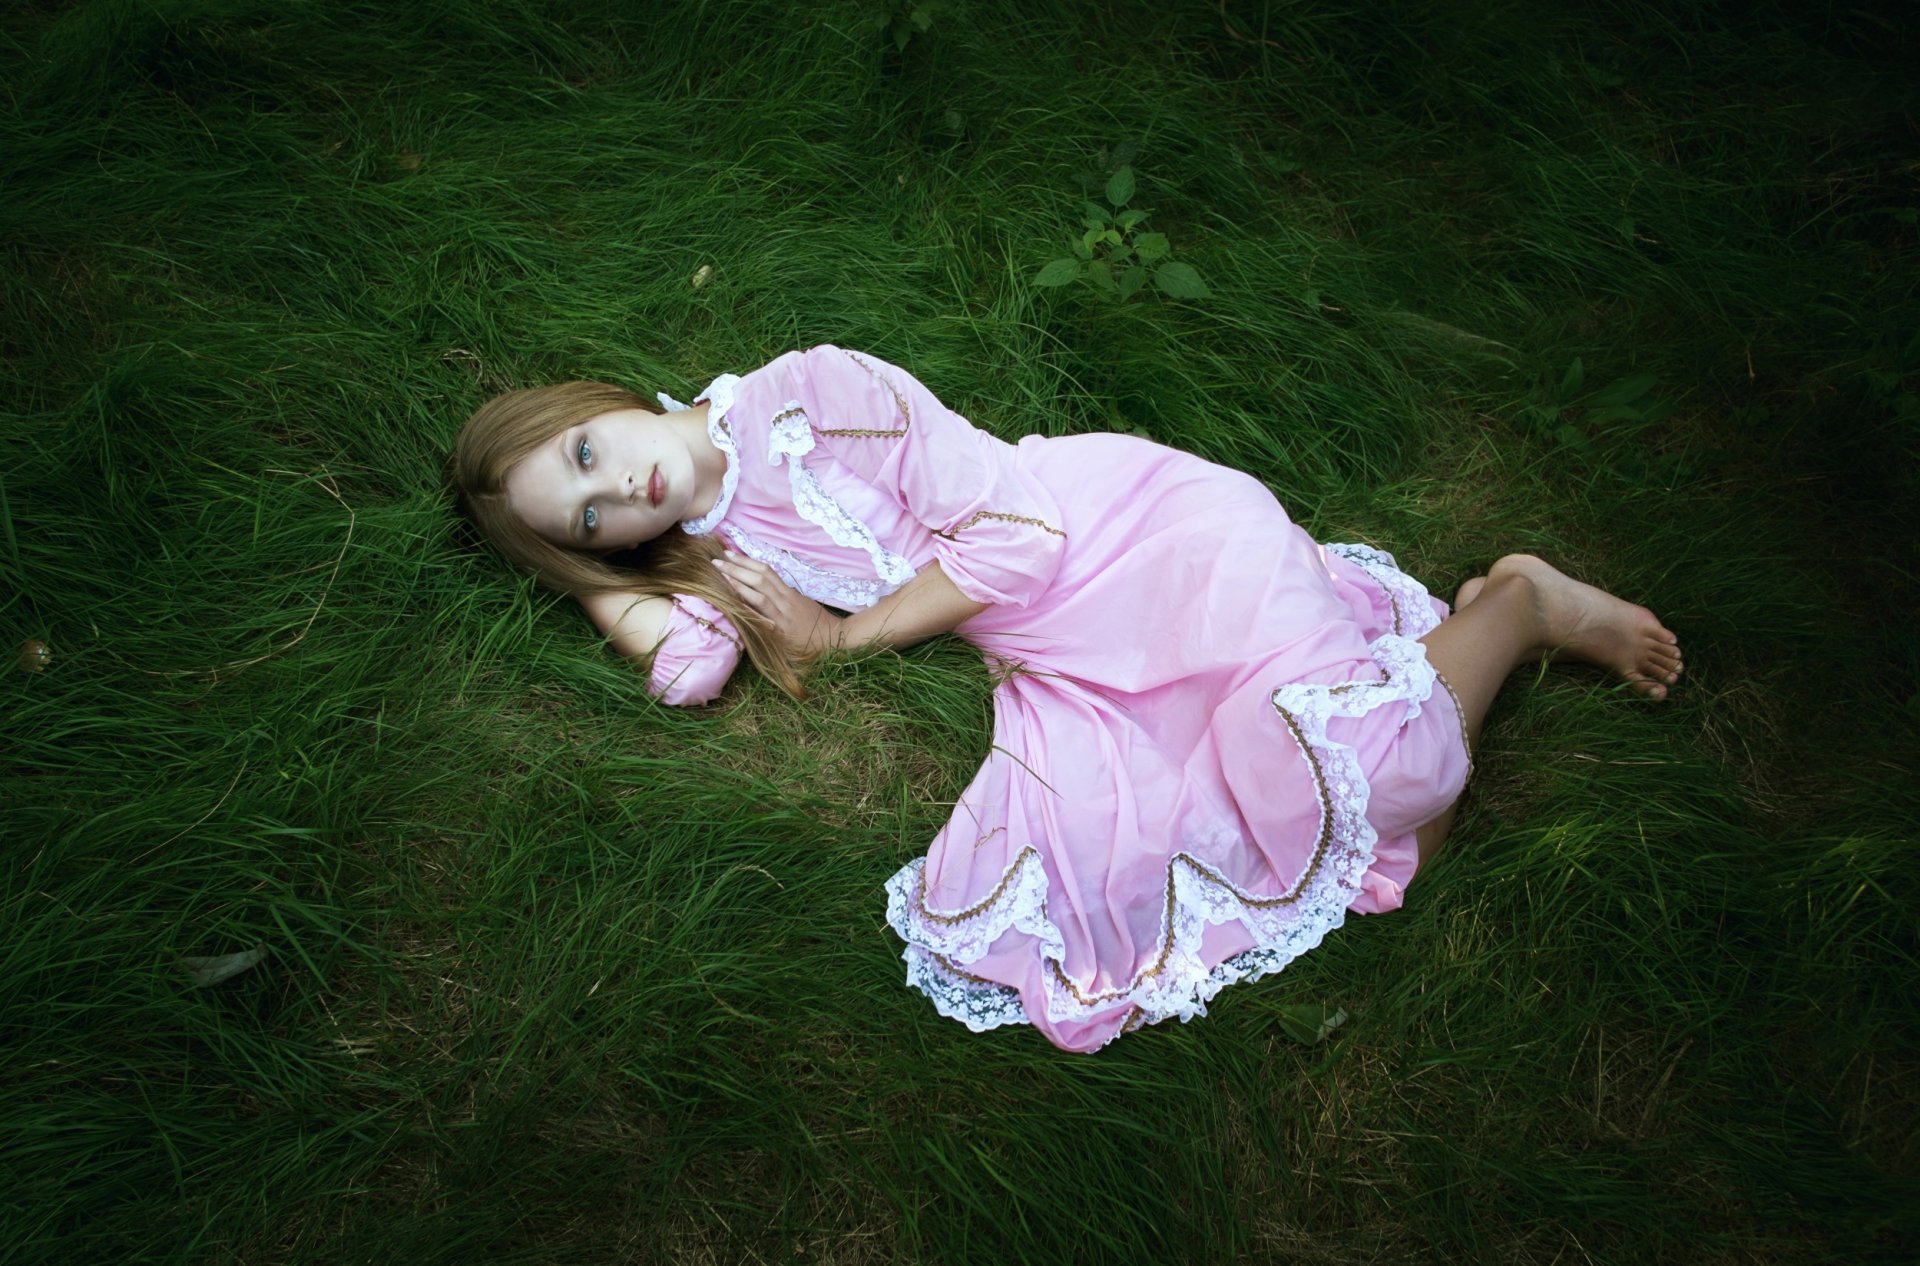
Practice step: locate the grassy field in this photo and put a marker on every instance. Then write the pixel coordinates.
(553, 974)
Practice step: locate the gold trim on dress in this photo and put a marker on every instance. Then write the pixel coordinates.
(1007, 518)
(1345, 686)
(1140, 977)
(865, 433)
(702, 620)
(1460, 714)
(1159, 963)
(926, 911)
(1326, 817)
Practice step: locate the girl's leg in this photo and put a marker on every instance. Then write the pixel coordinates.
(1523, 609)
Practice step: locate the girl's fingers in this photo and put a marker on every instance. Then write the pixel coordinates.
(745, 582)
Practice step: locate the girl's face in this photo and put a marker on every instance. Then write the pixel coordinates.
(610, 483)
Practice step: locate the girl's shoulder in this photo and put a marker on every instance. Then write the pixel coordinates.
(791, 373)
(797, 385)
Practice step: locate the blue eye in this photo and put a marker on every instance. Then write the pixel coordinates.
(591, 518)
(585, 454)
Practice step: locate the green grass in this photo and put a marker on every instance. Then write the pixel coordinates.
(559, 975)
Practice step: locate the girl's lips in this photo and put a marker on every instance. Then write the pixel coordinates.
(656, 487)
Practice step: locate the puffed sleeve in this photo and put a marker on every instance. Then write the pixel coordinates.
(696, 655)
(997, 532)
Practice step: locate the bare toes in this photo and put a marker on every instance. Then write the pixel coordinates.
(1647, 687)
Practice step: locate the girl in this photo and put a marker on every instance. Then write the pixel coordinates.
(1212, 737)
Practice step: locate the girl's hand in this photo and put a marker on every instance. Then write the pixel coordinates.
(803, 624)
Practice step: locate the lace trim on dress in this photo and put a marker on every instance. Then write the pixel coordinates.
(848, 593)
(719, 393)
(1412, 610)
(791, 440)
(1176, 983)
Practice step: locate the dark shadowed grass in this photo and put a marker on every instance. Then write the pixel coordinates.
(556, 974)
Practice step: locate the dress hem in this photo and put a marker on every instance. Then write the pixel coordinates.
(1177, 982)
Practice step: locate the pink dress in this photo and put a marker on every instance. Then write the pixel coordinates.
(1212, 737)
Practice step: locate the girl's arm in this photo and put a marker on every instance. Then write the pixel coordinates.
(924, 607)
(632, 623)
(687, 647)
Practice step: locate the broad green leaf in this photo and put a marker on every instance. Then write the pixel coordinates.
(1181, 281)
(1570, 437)
(1128, 219)
(1100, 273)
(1120, 187)
(901, 34)
(1131, 281)
(1625, 390)
(1090, 239)
(1111, 237)
(211, 970)
(1058, 273)
(1311, 1024)
(1081, 248)
(1540, 417)
(1575, 378)
(1121, 253)
(922, 19)
(1152, 247)
(1612, 413)
(1097, 214)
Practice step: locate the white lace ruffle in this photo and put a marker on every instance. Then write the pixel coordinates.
(719, 394)
(848, 593)
(978, 1004)
(791, 440)
(940, 946)
(1412, 609)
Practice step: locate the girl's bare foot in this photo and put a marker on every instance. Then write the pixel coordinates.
(1585, 623)
(1469, 591)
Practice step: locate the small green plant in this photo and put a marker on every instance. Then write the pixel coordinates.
(1116, 257)
(1568, 413)
(901, 20)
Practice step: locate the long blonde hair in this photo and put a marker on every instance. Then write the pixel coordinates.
(504, 430)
